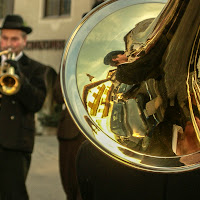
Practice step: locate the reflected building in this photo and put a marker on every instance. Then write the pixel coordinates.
(96, 98)
(102, 101)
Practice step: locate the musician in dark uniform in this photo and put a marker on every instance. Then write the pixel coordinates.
(17, 126)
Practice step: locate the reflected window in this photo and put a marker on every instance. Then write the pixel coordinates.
(57, 7)
(6, 7)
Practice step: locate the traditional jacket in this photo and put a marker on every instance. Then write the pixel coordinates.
(17, 125)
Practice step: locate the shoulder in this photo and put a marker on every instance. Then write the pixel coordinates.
(25, 60)
(123, 66)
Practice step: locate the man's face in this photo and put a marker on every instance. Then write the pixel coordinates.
(14, 39)
(121, 58)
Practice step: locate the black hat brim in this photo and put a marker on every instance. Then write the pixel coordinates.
(27, 30)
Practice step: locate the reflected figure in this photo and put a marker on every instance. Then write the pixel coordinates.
(135, 39)
(142, 97)
(144, 67)
(149, 63)
(115, 58)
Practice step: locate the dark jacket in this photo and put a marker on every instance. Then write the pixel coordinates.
(17, 111)
(144, 68)
(66, 128)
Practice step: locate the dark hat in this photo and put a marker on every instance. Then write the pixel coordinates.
(15, 22)
(109, 56)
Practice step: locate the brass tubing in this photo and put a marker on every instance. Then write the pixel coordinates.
(5, 52)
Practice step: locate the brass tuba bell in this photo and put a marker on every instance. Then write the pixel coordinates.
(145, 112)
(9, 81)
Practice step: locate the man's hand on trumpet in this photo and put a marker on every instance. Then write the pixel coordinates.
(16, 65)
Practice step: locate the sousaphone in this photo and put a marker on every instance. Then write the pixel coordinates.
(143, 112)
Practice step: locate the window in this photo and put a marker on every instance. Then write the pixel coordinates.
(57, 7)
(6, 7)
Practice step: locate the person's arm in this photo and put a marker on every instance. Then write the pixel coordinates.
(57, 92)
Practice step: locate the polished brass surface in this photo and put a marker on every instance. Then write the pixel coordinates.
(9, 81)
(144, 111)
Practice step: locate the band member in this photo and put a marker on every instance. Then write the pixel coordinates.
(17, 109)
(69, 139)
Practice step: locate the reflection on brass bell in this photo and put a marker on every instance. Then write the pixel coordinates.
(144, 111)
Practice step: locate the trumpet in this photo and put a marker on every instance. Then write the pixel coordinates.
(9, 81)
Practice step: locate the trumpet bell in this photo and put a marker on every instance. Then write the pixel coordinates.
(9, 81)
(9, 84)
(144, 112)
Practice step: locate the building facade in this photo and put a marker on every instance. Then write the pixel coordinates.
(51, 29)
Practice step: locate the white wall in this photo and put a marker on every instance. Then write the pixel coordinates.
(52, 27)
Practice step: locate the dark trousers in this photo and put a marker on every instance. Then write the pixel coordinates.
(101, 177)
(14, 166)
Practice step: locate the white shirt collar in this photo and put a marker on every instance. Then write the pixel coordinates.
(19, 56)
(4, 58)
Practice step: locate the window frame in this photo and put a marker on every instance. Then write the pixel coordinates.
(59, 13)
(8, 10)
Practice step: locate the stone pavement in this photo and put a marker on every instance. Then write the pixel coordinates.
(43, 182)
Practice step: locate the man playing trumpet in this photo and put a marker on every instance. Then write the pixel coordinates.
(17, 110)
